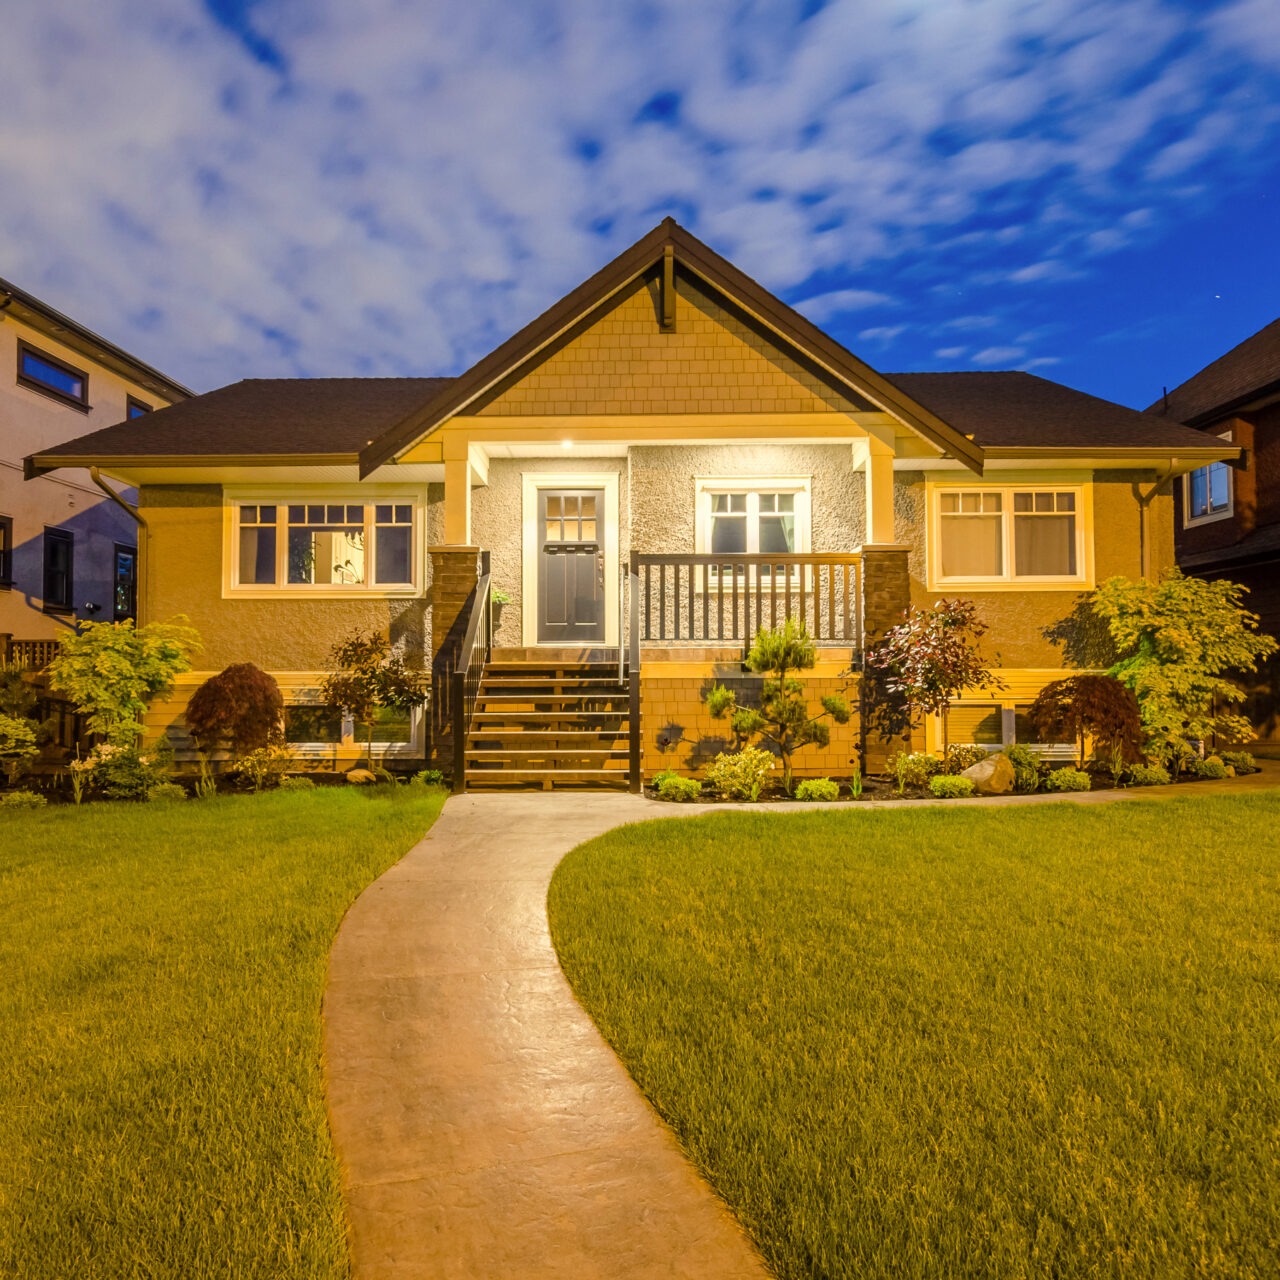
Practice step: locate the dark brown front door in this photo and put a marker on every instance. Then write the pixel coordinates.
(570, 566)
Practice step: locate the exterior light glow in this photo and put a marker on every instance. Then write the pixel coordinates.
(566, 444)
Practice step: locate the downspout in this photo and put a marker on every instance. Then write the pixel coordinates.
(1174, 469)
(134, 514)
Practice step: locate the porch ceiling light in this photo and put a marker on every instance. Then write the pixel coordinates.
(566, 444)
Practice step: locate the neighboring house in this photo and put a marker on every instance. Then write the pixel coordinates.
(1228, 513)
(666, 460)
(67, 553)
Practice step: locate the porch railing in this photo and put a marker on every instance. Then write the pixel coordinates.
(30, 655)
(473, 653)
(727, 599)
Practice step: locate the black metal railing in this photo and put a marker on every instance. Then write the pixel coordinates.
(632, 616)
(468, 671)
(723, 599)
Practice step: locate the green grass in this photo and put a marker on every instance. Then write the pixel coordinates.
(161, 1109)
(1040, 1041)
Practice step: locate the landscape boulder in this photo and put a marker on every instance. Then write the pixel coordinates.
(362, 777)
(993, 776)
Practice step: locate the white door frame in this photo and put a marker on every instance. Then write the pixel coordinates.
(531, 482)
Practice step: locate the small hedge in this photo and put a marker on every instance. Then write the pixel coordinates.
(22, 800)
(818, 789)
(1213, 767)
(740, 775)
(950, 787)
(1240, 761)
(669, 785)
(1148, 775)
(1068, 780)
(297, 784)
(166, 793)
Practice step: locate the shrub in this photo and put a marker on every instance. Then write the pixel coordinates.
(1240, 761)
(1097, 707)
(913, 768)
(1148, 775)
(1026, 768)
(1068, 780)
(740, 775)
(369, 674)
(241, 705)
(264, 768)
(118, 772)
(429, 778)
(22, 800)
(669, 785)
(783, 715)
(818, 789)
(17, 744)
(949, 787)
(958, 758)
(166, 792)
(297, 784)
(1213, 767)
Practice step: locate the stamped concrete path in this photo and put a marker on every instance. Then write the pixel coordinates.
(484, 1127)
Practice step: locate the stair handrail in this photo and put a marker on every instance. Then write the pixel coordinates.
(633, 677)
(477, 642)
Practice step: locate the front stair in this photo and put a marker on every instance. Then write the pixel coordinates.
(543, 723)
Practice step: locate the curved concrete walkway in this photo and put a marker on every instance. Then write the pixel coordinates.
(484, 1127)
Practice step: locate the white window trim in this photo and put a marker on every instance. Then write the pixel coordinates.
(1194, 522)
(282, 496)
(706, 486)
(351, 743)
(1084, 576)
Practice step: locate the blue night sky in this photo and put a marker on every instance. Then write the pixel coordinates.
(306, 187)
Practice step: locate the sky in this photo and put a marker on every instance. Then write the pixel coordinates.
(1085, 189)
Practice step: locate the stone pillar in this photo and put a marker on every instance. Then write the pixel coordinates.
(454, 573)
(886, 595)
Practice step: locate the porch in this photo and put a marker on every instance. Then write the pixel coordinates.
(554, 715)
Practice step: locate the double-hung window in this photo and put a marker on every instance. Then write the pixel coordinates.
(324, 545)
(1009, 535)
(59, 576)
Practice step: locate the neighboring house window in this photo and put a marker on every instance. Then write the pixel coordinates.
(332, 545)
(765, 516)
(1206, 492)
(42, 372)
(135, 408)
(1009, 535)
(124, 597)
(59, 581)
(6, 551)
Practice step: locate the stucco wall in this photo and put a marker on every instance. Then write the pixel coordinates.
(662, 489)
(1018, 619)
(184, 575)
(497, 523)
(623, 363)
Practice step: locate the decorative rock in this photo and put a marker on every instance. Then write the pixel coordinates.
(993, 776)
(361, 777)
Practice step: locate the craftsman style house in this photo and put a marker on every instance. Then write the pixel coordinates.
(1227, 513)
(67, 552)
(667, 460)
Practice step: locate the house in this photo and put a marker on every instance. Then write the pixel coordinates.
(67, 552)
(1227, 512)
(665, 461)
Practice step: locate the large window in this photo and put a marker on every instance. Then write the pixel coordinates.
(313, 545)
(753, 517)
(52, 377)
(1009, 535)
(6, 551)
(59, 579)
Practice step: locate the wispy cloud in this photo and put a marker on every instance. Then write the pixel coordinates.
(274, 187)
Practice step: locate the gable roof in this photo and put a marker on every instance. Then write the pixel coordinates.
(1249, 371)
(40, 315)
(788, 326)
(295, 418)
(1010, 409)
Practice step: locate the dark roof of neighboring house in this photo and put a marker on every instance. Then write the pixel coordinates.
(310, 417)
(1260, 546)
(1245, 373)
(30, 309)
(1014, 410)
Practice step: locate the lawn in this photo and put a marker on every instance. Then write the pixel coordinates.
(1037, 1041)
(161, 1108)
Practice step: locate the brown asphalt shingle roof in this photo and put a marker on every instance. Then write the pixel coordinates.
(1232, 379)
(1010, 409)
(264, 416)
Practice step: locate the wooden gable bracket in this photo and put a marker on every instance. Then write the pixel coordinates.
(668, 321)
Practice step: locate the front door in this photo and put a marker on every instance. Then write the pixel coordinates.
(570, 566)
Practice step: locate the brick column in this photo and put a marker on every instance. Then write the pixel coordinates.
(454, 574)
(886, 594)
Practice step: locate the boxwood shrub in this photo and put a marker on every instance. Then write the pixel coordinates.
(949, 786)
(818, 789)
(1068, 780)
